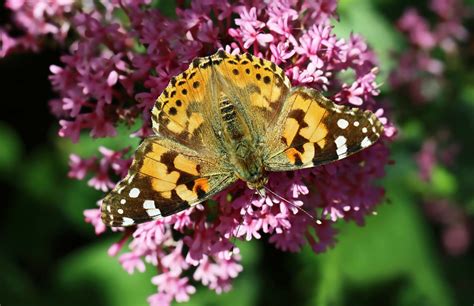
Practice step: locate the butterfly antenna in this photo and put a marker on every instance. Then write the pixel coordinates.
(293, 205)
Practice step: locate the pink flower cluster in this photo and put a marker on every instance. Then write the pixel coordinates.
(34, 20)
(455, 223)
(421, 73)
(419, 70)
(421, 67)
(113, 73)
(436, 150)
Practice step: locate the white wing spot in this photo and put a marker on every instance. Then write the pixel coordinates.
(135, 192)
(127, 221)
(149, 204)
(154, 212)
(123, 201)
(356, 123)
(341, 147)
(342, 123)
(374, 130)
(365, 142)
(108, 208)
(364, 130)
(120, 211)
(342, 152)
(340, 141)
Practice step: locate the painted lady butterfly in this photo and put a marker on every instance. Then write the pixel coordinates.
(230, 117)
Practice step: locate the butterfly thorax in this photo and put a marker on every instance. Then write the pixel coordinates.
(244, 156)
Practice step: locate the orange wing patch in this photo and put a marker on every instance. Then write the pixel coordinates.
(304, 122)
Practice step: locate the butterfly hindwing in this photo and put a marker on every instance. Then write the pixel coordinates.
(164, 178)
(315, 131)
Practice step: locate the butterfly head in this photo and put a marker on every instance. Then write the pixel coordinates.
(252, 171)
(258, 184)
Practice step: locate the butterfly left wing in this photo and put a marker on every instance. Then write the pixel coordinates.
(165, 178)
(313, 131)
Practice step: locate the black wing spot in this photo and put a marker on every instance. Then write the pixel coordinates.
(266, 79)
(200, 192)
(298, 160)
(191, 75)
(173, 111)
(196, 84)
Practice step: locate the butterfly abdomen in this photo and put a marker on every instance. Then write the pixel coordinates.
(227, 109)
(234, 127)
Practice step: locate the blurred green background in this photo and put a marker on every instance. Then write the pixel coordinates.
(49, 256)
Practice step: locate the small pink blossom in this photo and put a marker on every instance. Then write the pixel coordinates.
(92, 216)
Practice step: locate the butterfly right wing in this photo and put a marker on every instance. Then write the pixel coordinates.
(165, 178)
(313, 131)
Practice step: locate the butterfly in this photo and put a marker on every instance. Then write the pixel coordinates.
(228, 118)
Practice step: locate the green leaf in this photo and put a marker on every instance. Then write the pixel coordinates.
(88, 146)
(73, 206)
(10, 148)
(390, 254)
(443, 182)
(16, 287)
(39, 175)
(91, 277)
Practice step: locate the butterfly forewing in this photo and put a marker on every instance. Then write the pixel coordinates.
(316, 131)
(164, 178)
(183, 110)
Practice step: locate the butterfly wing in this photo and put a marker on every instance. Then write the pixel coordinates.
(313, 131)
(187, 109)
(165, 178)
(257, 87)
(183, 165)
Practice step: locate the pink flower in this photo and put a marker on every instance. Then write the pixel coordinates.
(79, 167)
(417, 28)
(426, 159)
(92, 216)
